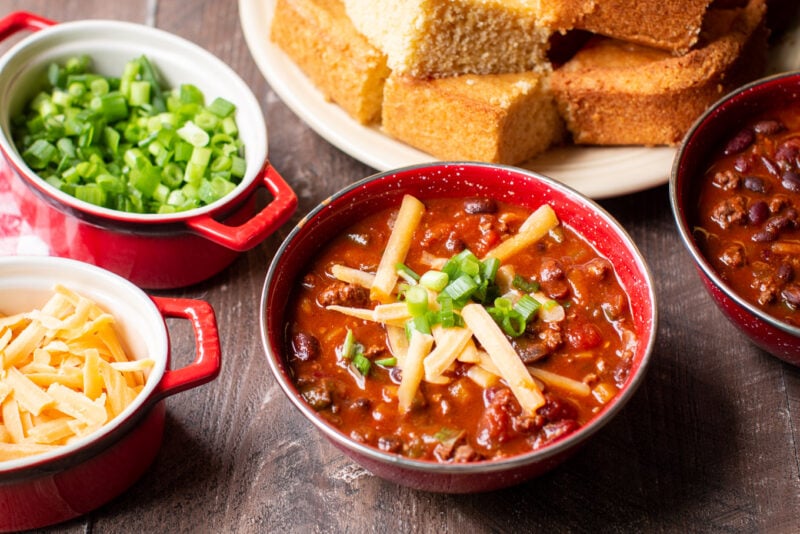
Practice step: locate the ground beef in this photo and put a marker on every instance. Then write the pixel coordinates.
(730, 211)
(344, 294)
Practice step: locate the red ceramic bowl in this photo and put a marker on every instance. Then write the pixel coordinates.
(507, 184)
(153, 251)
(718, 124)
(79, 477)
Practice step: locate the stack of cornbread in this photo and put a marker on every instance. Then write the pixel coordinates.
(479, 79)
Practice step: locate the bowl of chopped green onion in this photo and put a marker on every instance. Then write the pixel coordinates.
(135, 150)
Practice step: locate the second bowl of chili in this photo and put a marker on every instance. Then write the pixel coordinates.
(735, 196)
(458, 327)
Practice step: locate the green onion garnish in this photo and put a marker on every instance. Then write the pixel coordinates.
(386, 362)
(526, 307)
(361, 363)
(85, 125)
(349, 345)
(406, 274)
(417, 300)
(434, 280)
(461, 288)
(526, 286)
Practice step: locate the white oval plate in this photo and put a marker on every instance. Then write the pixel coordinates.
(598, 172)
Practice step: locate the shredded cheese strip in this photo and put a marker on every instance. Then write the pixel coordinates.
(482, 377)
(395, 312)
(534, 228)
(358, 313)
(11, 451)
(28, 394)
(418, 347)
(408, 217)
(450, 342)
(501, 352)
(352, 276)
(398, 343)
(65, 373)
(561, 382)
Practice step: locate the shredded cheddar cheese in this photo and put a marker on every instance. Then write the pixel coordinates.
(64, 373)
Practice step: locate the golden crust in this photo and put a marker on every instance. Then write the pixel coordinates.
(672, 25)
(321, 40)
(614, 93)
(503, 118)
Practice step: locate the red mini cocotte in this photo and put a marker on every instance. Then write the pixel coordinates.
(80, 476)
(153, 251)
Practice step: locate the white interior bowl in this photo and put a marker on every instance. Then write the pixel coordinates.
(26, 283)
(111, 44)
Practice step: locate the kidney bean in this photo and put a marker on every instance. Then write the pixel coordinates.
(784, 272)
(786, 154)
(768, 126)
(740, 141)
(790, 180)
(755, 184)
(305, 346)
(771, 166)
(480, 205)
(758, 212)
(743, 163)
(777, 223)
(791, 295)
(763, 236)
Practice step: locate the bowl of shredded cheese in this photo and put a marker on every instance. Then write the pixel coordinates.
(85, 365)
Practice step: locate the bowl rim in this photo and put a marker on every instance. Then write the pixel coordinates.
(725, 104)
(87, 29)
(542, 454)
(112, 285)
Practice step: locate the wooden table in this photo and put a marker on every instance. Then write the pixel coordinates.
(710, 442)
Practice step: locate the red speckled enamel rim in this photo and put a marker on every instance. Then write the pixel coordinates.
(27, 282)
(505, 183)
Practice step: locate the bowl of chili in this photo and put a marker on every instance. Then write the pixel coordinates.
(735, 196)
(458, 327)
(63, 178)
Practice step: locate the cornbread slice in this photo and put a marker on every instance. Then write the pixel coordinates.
(501, 118)
(672, 25)
(617, 93)
(319, 37)
(440, 38)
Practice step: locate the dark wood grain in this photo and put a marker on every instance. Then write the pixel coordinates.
(709, 442)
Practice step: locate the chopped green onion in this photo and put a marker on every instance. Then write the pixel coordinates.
(419, 323)
(221, 107)
(148, 138)
(527, 286)
(386, 362)
(193, 134)
(434, 280)
(527, 307)
(406, 273)
(504, 314)
(349, 345)
(417, 300)
(461, 288)
(361, 363)
(39, 154)
(489, 268)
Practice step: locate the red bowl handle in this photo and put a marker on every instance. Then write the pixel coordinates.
(206, 364)
(22, 20)
(262, 224)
